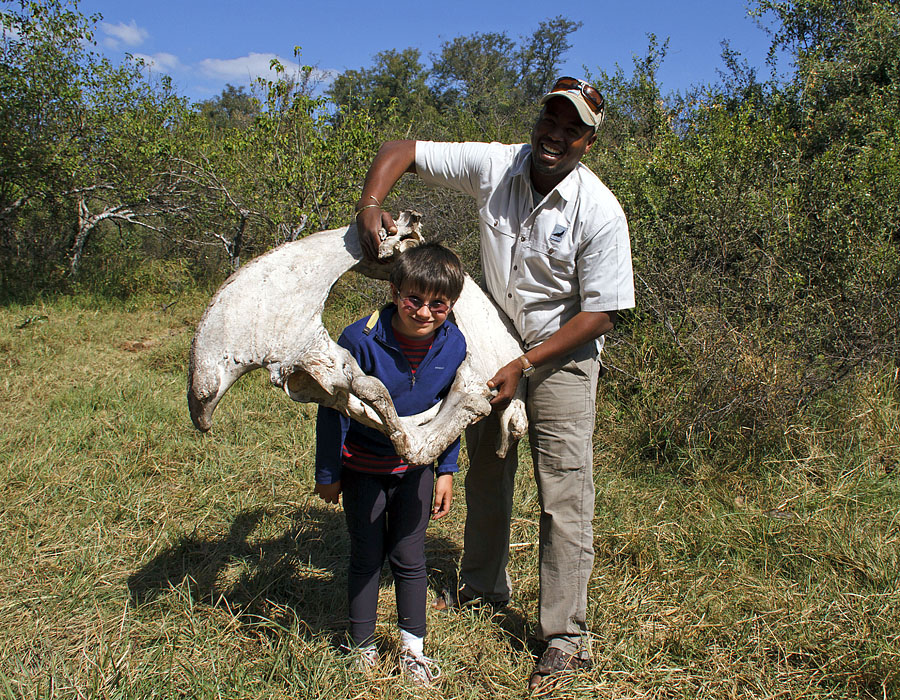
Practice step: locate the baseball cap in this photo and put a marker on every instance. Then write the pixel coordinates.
(586, 98)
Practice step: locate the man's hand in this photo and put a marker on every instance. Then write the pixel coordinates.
(506, 381)
(392, 160)
(369, 224)
(581, 328)
(443, 496)
(328, 492)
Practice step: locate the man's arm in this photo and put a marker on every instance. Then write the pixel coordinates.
(393, 159)
(578, 330)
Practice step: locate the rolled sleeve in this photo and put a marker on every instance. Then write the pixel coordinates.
(605, 274)
(447, 463)
(454, 165)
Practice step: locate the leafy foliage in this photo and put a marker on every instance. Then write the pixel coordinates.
(234, 108)
(394, 83)
(747, 430)
(765, 215)
(85, 142)
(764, 221)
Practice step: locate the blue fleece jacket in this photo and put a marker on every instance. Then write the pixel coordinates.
(379, 356)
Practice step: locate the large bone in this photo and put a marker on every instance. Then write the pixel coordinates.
(269, 314)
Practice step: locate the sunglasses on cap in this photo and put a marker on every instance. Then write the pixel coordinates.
(590, 94)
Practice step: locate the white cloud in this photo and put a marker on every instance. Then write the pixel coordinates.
(247, 67)
(121, 33)
(162, 61)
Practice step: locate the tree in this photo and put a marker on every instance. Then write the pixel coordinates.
(394, 85)
(490, 72)
(233, 108)
(86, 141)
(842, 102)
(540, 55)
(40, 111)
(479, 86)
(475, 72)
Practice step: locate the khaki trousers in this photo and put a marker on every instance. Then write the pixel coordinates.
(561, 405)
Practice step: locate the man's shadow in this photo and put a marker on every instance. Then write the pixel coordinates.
(300, 574)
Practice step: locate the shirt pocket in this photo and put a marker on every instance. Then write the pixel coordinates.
(499, 229)
(553, 244)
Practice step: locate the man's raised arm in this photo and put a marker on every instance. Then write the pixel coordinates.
(392, 160)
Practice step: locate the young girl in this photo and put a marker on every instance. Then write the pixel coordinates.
(412, 348)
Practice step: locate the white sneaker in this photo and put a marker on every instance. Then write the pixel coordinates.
(419, 669)
(363, 659)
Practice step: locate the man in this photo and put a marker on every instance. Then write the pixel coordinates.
(557, 259)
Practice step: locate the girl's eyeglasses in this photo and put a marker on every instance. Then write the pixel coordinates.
(414, 303)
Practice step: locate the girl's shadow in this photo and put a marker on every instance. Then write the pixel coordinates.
(298, 574)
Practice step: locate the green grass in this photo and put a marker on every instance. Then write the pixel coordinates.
(140, 559)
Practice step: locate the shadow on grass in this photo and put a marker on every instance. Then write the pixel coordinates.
(442, 561)
(300, 574)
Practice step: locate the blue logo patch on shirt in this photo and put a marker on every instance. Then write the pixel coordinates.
(555, 237)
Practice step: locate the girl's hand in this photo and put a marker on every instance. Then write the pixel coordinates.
(328, 492)
(443, 496)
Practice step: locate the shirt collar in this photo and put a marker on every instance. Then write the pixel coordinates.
(567, 189)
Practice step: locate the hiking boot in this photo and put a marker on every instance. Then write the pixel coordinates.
(555, 661)
(451, 599)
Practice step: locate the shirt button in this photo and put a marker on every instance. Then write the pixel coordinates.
(523, 238)
(515, 267)
(496, 223)
(509, 296)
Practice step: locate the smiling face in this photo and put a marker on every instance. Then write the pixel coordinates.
(416, 323)
(558, 142)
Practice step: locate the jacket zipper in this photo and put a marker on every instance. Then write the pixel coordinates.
(412, 376)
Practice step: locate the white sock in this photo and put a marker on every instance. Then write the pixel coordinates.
(412, 643)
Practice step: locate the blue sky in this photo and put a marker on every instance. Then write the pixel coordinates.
(204, 44)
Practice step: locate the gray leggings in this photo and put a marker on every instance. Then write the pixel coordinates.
(387, 517)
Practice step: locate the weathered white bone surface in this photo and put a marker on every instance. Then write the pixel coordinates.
(269, 314)
(492, 342)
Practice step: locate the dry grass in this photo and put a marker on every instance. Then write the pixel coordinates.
(141, 559)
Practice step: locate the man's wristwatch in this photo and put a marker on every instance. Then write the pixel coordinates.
(527, 367)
